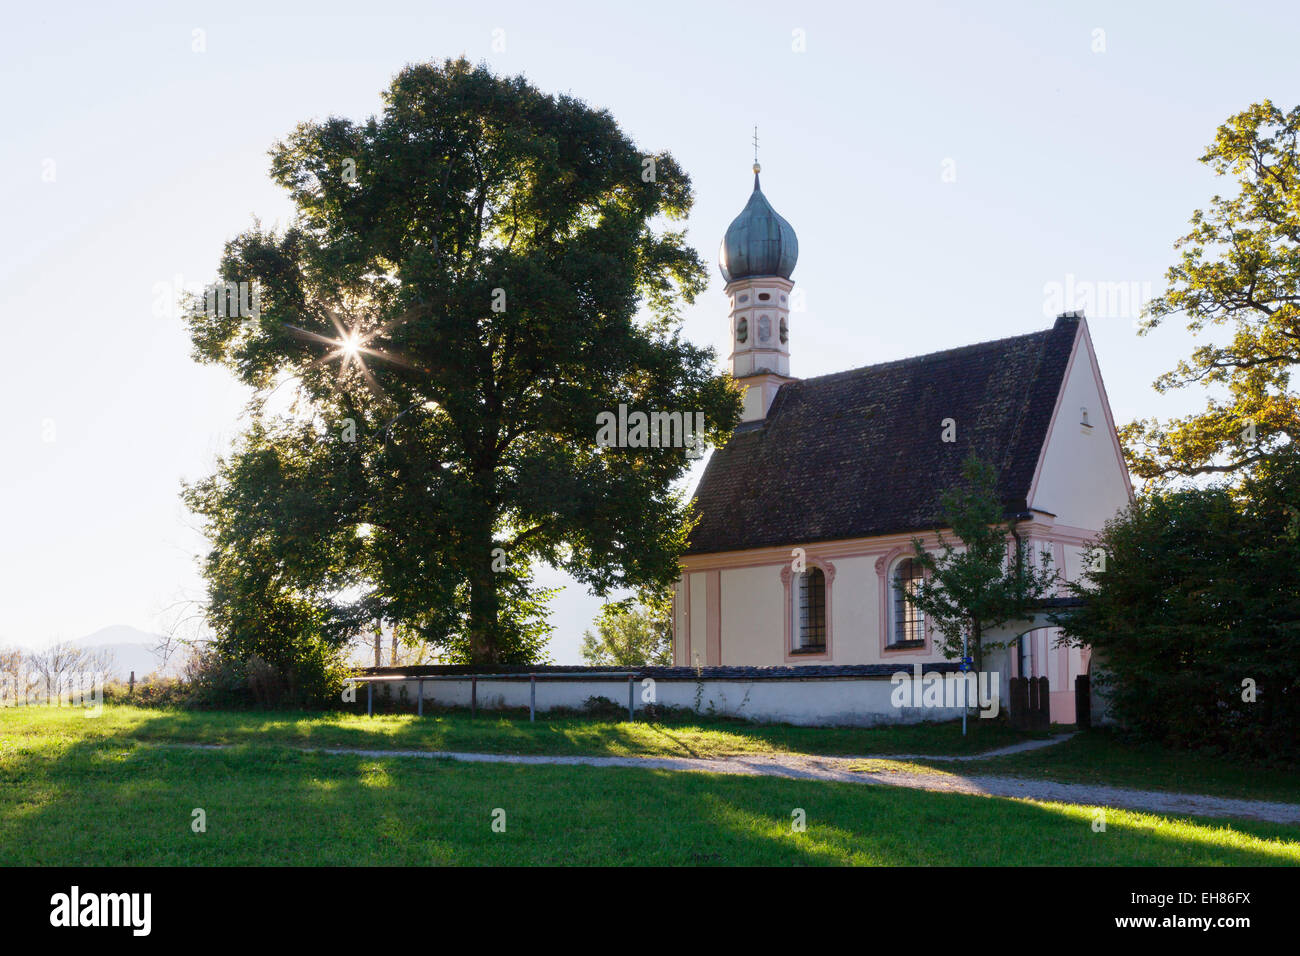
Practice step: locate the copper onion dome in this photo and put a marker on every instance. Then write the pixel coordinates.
(758, 242)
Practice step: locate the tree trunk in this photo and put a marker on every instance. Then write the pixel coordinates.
(484, 605)
(484, 600)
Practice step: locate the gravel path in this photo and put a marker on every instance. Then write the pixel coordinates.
(807, 767)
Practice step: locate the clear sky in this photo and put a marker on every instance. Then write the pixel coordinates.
(944, 165)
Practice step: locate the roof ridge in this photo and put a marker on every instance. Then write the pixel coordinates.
(942, 353)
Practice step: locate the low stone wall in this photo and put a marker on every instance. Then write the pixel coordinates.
(833, 696)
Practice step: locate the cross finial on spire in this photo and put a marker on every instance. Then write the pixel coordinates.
(756, 167)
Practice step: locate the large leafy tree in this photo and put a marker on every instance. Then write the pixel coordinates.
(472, 278)
(1240, 269)
(970, 585)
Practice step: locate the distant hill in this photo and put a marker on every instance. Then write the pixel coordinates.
(131, 650)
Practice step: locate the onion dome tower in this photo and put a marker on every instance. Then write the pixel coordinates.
(758, 254)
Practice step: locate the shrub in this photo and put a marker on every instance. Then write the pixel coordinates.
(216, 680)
(152, 691)
(1197, 613)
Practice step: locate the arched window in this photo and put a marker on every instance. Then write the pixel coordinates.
(810, 611)
(908, 620)
(742, 330)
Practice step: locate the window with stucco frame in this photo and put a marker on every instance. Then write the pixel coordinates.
(921, 631)
(906, 621)
(818, 573)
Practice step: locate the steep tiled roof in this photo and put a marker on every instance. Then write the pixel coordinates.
(859, 453)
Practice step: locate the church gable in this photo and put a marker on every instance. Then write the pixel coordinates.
(1081, 479)
(862, 453)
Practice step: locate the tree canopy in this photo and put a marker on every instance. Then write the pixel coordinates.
(472, 278)
(1240, 268)
(632, 633)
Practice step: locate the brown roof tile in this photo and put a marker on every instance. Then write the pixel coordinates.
(858, 453)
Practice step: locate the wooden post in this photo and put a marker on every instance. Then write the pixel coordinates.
(1020, 702)
(1042, 703)
(1082, 702)
(130, 685)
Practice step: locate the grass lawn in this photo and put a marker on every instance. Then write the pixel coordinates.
(101, 792)
(1092, 757)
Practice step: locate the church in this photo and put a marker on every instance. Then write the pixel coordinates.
(802, 554)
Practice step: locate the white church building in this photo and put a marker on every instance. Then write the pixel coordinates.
(850, 467)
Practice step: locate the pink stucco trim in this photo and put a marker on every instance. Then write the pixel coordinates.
(686, 598)
(1062, 662)
(829, 550)
(787, 581)
(676, 639)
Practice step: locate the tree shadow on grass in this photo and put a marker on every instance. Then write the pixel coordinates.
(102, 801)
(510, 733)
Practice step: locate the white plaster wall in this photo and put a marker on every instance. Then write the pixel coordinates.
(753, 616)
(855, 612)
(1082, 481)
(849, 702)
